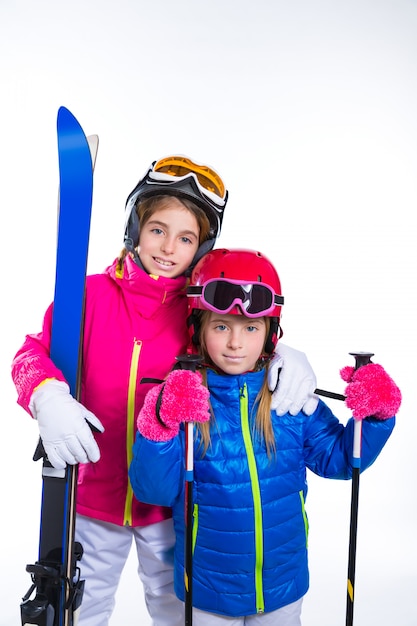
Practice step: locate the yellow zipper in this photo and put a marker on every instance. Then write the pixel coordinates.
(195, 526)
(130, 430)
(303, 510)
(257, 504)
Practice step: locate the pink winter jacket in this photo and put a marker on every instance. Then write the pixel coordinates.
(135, 326)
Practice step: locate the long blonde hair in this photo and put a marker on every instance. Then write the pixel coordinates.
(263, 422)
(149, 206)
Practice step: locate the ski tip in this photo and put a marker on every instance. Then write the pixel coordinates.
(93, 142)
(65, 114)
(67, 122)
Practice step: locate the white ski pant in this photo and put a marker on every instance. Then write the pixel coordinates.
(106, 549)
(289, 615)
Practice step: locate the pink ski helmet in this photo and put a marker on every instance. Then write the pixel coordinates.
(238, 282)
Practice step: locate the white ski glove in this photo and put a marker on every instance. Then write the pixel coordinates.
(292, 382)
(64, 425)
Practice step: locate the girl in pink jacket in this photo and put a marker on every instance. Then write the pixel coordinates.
(135, 326)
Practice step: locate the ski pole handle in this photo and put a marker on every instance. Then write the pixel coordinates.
(189, 362)
(361, 359)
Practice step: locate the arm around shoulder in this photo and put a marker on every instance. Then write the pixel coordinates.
(292, 381)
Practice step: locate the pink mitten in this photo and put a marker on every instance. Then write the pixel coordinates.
(370, 392)
(181, 398)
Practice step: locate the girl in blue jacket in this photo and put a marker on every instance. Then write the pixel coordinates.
(250, 526)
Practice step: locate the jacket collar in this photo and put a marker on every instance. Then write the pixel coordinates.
(150, 292)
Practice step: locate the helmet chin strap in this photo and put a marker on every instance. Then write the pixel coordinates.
(133, 251)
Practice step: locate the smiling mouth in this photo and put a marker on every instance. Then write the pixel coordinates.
(162, 262)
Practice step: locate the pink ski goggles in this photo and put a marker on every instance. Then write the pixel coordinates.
(221, 295)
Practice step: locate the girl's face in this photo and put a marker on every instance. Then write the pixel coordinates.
(234, 342)
(169, 240)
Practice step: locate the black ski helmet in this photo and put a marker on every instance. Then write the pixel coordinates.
(179, 176)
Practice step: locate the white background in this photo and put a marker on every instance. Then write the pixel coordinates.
(307, 108)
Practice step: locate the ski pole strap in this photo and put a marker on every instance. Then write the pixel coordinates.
(330, 394)
(158, 407)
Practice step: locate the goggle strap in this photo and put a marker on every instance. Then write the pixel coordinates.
(162, 179)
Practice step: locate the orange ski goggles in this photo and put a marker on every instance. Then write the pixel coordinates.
(180, 167)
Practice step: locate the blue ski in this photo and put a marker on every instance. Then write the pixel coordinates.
(56, 578)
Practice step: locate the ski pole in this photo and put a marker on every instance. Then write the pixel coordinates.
(189, 362)
(361, 358)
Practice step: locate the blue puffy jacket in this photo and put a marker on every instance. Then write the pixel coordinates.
(250, 525)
